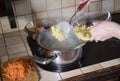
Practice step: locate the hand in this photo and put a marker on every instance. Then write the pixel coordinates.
(104, 30)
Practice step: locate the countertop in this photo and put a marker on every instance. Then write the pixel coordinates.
(14, 45)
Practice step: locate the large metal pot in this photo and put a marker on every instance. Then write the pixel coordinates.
(58, 57)
(70, 40)
(67, 51)
(47, 56)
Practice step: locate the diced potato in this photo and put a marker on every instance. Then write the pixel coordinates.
(82, 32)
(58, 33)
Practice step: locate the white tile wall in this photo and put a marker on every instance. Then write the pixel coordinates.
(108, 5)
(29, 52)
(78, 1)
(53, 4)
(38, 5)
(1, 36)
(23, 20)
(41, 15)
(117, 4)
(3, 51)
(22, 7)
(95, 6)
(24, 36)
(67, 12)
(0, 29)
(6, 25)
(68, 3)
(26, 10)
(27, 46)
(16, 48)
(24, 53)
(13, 40)
(2, 43)
(54, 16)
(13, 34)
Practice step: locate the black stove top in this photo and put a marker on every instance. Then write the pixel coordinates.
(92, 52)
(102, 51)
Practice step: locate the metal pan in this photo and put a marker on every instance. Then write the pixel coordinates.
(48, 41)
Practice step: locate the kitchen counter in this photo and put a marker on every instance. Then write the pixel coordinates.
(106, 74)
(15, 44)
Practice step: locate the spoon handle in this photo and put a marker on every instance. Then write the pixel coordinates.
(80, 7)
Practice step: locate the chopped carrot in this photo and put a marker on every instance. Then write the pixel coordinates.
(17, 69)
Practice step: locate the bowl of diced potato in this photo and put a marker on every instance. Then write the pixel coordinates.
(84, 22)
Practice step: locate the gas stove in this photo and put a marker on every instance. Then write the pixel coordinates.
(92, 52)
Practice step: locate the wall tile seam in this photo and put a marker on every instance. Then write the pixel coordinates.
(15, 10)
(23, 42)
(1, 27)
(6, 47)
(93, 70)
(4, 40)
(100, 2)
(16, 53)
(106, 0)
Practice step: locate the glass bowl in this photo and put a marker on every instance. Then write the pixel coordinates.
(84, 23)
(32, 28)
(90, 17)
(36, 26)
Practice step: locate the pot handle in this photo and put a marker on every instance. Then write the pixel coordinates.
(44, 60)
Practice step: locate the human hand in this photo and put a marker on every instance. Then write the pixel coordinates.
(104, 30)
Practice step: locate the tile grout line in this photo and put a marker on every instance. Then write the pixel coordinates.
(114, 6)
(15, 43)
(119, 59)
(4, 42)
(80, 67)
(81, 70)
(32, 12)
(60, 76)
(108, 61)
(101, 65)
(16, 15)
(23, 42)
(17, 53)
(47, 12)
(61, 11)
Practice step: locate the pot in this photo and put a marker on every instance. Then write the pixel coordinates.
(58, 57)
(47, 56)
(67, 51)
(55, 38)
